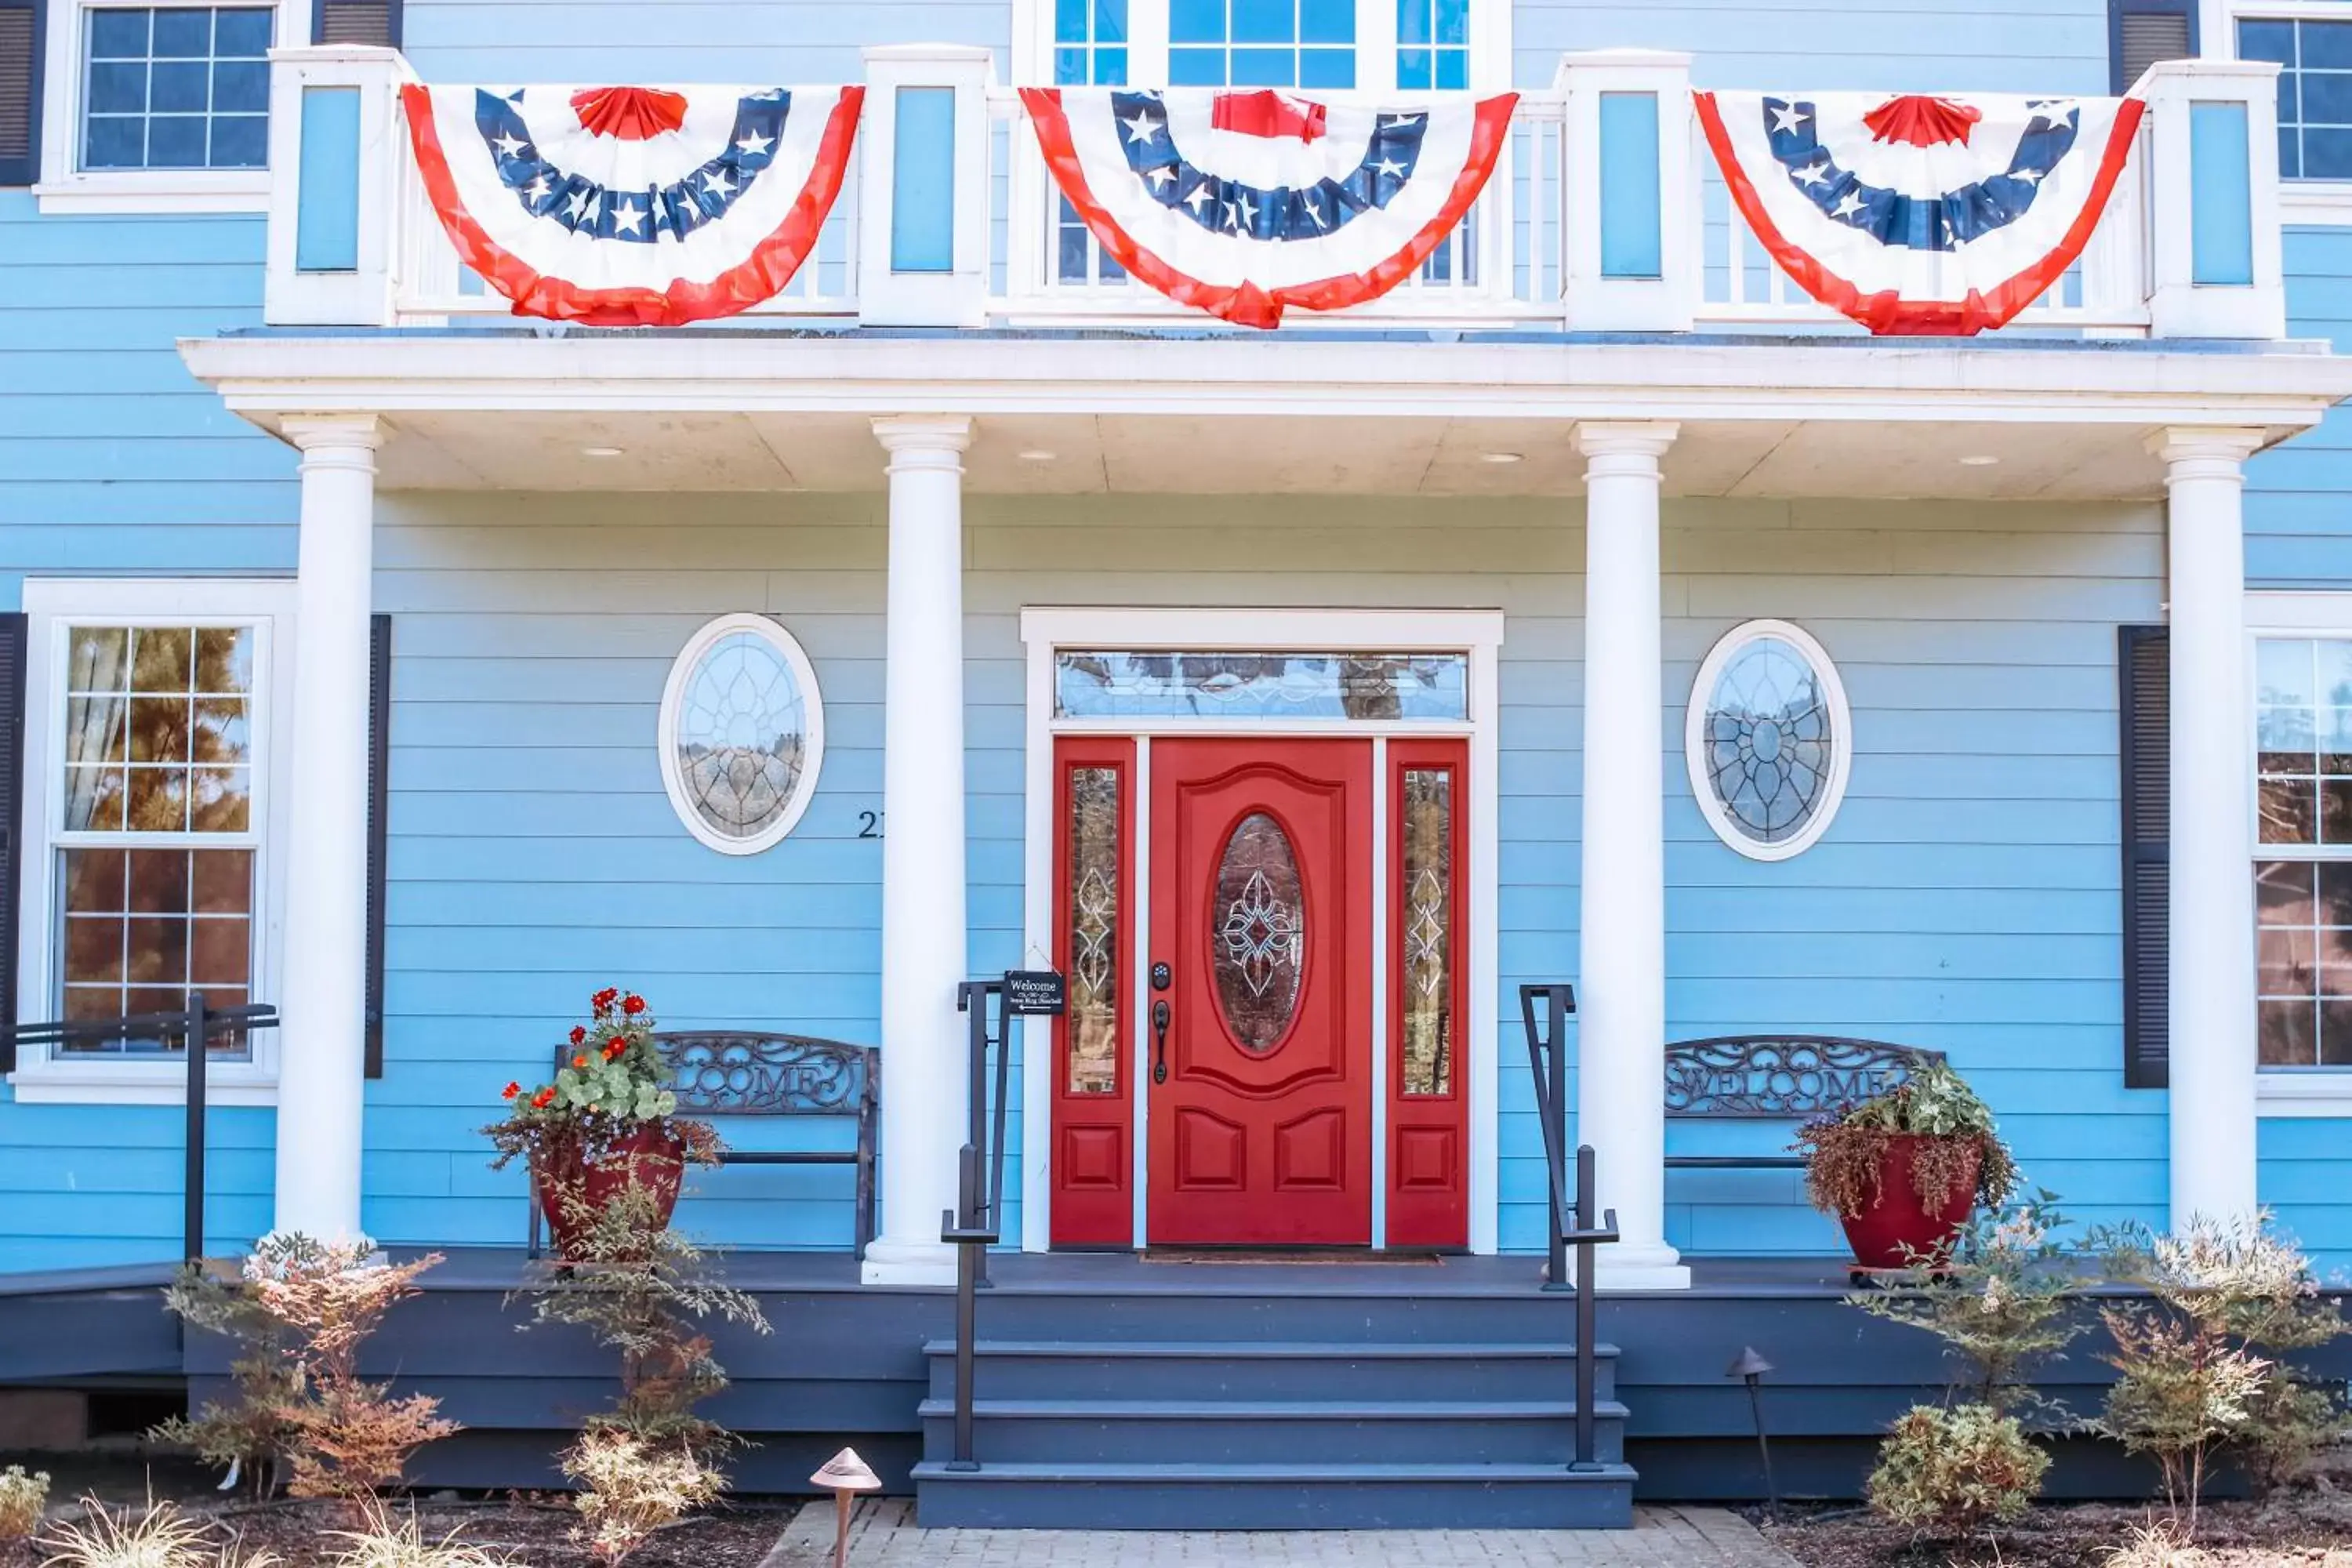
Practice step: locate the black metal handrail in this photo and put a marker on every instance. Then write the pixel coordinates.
(976, 1223)
(1572, 1218)
(194, 1022)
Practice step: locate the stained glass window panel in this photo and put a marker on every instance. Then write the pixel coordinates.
(742, 732)
(1767, 743)
(1094, 915)
(1284, 686)
(1259, 932)
(1426, 936)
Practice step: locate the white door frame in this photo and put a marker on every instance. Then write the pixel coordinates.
(1476, 633)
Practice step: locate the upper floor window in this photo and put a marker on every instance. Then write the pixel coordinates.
(182, 87)
(1310, 44)
(2315, 92)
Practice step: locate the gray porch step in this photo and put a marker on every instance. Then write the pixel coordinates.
(1317, 1370)
(1320, 1496)
(1127, 1430)
(1522, 1316)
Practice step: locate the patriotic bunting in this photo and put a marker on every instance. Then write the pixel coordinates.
(1244, 204)
(633, 205)
(1917, 215)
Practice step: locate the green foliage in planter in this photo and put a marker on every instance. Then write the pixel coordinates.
(1844, 1151)
(2003, 1303)
(614, 1082)
(1951, 1472)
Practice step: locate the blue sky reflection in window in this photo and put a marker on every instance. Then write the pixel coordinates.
(2315, 92)
(176, 88)
(1262, 43)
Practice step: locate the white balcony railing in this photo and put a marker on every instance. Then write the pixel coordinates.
(1525, 256)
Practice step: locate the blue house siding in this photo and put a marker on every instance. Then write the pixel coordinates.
(1965, 899)
(114, 460)
(2298, 513)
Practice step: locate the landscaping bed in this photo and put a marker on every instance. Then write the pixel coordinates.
(2307, 1529)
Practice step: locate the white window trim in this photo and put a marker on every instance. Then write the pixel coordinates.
(2299, 1092)
(769, 630)
(51, 605)
(2306, 203)
(65, 187)
(1376, 46)
(1479, 634)
(1718, 816)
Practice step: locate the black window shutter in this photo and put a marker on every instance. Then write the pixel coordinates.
(2144, 665)
(12, 813)
(356, 22)
(2142, 32)
(379, 803)
(20, 91)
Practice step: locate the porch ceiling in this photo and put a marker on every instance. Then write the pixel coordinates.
(1363, 415)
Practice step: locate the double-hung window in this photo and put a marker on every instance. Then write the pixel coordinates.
(152, 762)
(2312, 42)
(161, 107)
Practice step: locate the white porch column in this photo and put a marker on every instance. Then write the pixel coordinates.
(923, 940)
(2212, 930)
(1621, 980)
(322, 1050)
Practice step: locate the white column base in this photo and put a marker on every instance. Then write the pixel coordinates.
(1621, 1267)
(891, 1262)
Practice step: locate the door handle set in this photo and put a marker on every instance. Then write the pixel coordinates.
(1159, 1042)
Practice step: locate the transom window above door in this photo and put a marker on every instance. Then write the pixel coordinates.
(1311, 45)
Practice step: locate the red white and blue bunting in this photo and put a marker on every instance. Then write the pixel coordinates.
(1244, 204)
(1919, 215)
(633, 205)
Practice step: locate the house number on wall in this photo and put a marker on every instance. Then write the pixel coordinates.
(869, 824)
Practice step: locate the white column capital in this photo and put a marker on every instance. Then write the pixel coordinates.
(329, 434)
(1629, 447)
(2205, 451)
(924, 440)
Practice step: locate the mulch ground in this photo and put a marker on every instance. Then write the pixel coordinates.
(2307, 1529)
(532, 1533)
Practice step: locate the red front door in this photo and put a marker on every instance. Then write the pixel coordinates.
(1261, 907)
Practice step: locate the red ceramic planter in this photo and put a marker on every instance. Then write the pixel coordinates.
(650, 1157)
(1899, 1230)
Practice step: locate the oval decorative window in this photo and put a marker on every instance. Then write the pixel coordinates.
(1259, 932)
(1769, 739)
(742, 733)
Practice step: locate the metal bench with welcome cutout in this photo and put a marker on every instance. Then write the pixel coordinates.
(1777, 1077)
(745, 1073)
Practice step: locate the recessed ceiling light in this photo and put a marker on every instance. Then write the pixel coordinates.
(1500, 457)
(1979, 460)
(599, 451)
(1038, 455)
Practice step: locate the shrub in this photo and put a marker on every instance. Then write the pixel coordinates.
(641, 1288)
(2192, 1371)
(2001, 1302)
(159, 1536)
(1844, 1151)
(304, 1309)
(632, 1486)
(1951, 1472)
(22, 1497)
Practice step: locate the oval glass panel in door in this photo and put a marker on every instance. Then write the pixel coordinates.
(1259, 936)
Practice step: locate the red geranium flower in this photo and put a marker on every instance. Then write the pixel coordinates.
(613, 1049)
(511, 1090)
(580, 1061)
(578, 1033)
(632, 1005)
(604, 999)
(543, 1098)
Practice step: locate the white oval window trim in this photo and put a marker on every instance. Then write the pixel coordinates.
(803, 674)
(1702, 695)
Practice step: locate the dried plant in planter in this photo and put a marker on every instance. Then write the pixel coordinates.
(1845, 1153)
(2197, 1358)
(304, 1308)
(2002, 1300)
(642, 1289)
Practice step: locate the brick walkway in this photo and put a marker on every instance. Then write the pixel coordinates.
(882, 1535)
